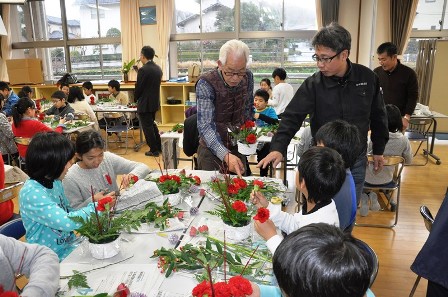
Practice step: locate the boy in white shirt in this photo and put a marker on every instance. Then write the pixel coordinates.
(282, 92)
(321, 173)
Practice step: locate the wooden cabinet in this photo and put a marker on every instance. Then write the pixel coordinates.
(169, 115)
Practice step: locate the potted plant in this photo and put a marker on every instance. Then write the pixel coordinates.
(247, 137)
(126, 68)
(103, 227)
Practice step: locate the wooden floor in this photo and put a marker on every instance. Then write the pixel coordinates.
(397, 247)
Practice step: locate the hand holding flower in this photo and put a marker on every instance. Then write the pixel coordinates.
(258, 199)
(101, 195)
(266, 230)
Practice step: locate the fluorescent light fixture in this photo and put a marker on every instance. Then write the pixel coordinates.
(2, 27)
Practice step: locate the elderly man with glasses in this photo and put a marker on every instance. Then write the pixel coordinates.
(224, 101)
(339, 90)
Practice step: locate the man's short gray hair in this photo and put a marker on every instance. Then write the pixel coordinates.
(237, 47)
(333, 36)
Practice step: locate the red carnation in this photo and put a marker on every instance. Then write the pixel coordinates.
(182, 172)
(193, 231)
(258, 184)
(180, 215)
(197, 180)
(122, 291)
(240, 286)
(249, 124)
(134, 178)
(239, 206)
(101, 206)
(232, 189)
(108, 179)
(251, 138)
(202, 192)
(240, 182)
(222, 289)
(164, 178)
(203, 229)
(175, 178)
(203, 289)
(262, 215)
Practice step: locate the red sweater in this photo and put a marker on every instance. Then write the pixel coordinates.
(27, 128)
(7, 207)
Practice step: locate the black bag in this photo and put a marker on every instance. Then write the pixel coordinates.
(191, 135)
(69, 79)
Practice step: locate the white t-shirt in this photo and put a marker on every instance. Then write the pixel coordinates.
(281, 96)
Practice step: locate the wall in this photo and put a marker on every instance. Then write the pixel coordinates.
(439, 88)
(150, 34)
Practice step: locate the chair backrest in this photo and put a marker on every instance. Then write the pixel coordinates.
(373, 258)
(420, 126)
(428, 219)
(395, 161)
(13, 228)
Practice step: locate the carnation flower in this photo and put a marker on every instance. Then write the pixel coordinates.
(193, 231)
(203, 229)
(262, 215)
(239, 206)
(101, 206)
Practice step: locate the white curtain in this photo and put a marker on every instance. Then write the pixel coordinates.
(5, 44)
(164, 23)
(131, 34)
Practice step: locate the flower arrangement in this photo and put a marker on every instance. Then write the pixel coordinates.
(247, 133)
(237, 286)
(172, 183)
(103, 225)
(159, 215)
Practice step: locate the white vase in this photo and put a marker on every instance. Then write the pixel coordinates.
(247, 149)
(237, 234)
(173, 199)
(105, 250)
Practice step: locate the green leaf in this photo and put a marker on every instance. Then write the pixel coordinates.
(77, 280)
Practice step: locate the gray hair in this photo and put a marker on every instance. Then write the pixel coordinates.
(237, 47)
(333, 36)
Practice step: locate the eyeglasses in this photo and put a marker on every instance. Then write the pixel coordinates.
(325, 60)
(230, 74)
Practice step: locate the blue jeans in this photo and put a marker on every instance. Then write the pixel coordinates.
(359, 174)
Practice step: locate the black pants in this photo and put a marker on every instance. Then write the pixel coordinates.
(436, 290)
(150, 130)
(261, 153)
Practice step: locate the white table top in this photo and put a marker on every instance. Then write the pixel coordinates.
(136, 250)
(115, 108)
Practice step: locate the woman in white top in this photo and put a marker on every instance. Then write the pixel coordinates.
(76, 100)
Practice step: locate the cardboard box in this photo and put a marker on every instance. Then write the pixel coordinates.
(193, 73)
(25, 71)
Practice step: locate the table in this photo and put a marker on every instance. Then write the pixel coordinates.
(434, 116)
(135, 251)
(123, 109)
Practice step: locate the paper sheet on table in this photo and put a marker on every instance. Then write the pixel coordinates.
(139, 195)
(139, 278)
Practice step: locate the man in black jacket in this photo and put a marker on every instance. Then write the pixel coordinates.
(147, 94)
(339, 90)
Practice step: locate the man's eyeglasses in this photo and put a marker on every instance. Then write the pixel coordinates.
(230, 74)
(325, 60)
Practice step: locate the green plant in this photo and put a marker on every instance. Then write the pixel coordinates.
(77, 280)
(127, 66)
(247, 133)
(179, 128)
(103, 225)
(159, 215)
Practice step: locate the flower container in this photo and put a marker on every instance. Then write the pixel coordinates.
(105, 250)
(237, 234)
(247, 149)
(173, 199)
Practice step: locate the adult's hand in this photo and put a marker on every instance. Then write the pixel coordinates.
(405, 123)
(235, 164)
(266, 229)
(378, 162)
(274, 157)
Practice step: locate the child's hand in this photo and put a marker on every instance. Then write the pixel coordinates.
(256, 115)
(101, 195)
(266, 229)
(258, 199)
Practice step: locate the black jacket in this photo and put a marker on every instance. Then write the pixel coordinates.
(147, 88)
(355, 98)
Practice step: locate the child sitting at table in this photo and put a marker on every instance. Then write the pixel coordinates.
(115, 94)
(76, 99)
(344, 138)
(320, 175)
(87, 88)
(265, 84)
(45, 210)
(60, 106)
(398, 145)
(98, 169)
(264, 116)
(319, 260)
(26, 125)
